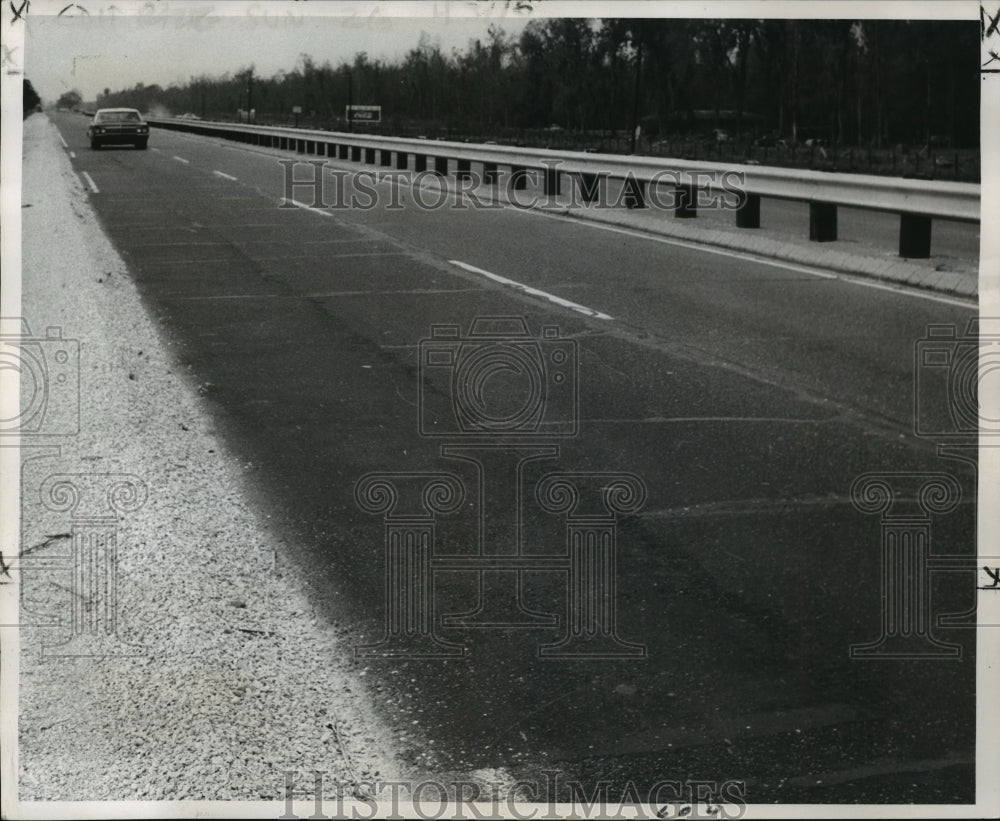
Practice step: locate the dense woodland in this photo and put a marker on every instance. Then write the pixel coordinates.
(847, 83)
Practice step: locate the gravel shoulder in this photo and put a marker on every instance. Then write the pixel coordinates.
(220, 676)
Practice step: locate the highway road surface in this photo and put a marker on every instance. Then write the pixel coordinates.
(745, 397)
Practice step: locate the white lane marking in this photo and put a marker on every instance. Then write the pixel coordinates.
(181, 159)
(788, 266)
(224, 176)
(61, 139)
(305, 207)
(574, 306)
(72, 155)
(157, 150)
(90, 182)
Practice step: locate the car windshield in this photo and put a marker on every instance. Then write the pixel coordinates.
(117, 117)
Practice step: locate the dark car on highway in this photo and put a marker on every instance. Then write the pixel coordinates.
(113, 126)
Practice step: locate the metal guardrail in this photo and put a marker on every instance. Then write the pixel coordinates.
(918, 202)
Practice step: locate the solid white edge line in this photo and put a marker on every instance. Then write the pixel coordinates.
(565, 303)
(90, 182)
(181, 159)
(224, 176)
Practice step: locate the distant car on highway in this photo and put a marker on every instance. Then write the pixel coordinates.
(114, 126)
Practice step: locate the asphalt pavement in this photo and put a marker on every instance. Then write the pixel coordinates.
(744, 397)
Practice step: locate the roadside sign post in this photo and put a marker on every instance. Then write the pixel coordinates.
(363, 114)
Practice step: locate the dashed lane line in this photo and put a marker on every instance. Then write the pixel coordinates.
(527, 289)
(90, 182)
(224, 176)
(181, 159)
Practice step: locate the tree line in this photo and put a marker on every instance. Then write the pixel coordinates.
(847, 82)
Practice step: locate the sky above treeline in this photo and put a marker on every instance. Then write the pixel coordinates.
(92, 46)
(91, 53)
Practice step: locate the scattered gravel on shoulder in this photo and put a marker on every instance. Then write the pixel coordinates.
(229, 677)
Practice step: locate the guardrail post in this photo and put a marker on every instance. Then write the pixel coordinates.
(355, 153)
(491, 175)
(401, 160)
(553, 182)
(519, 177)
(914, 236)
(386, 157)
(686, 204)
(369, 156)
(822, 222)
(464, 170)
(441, 166)
(419, 162)
(590, 185)
(634, 193)
(748, 214)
